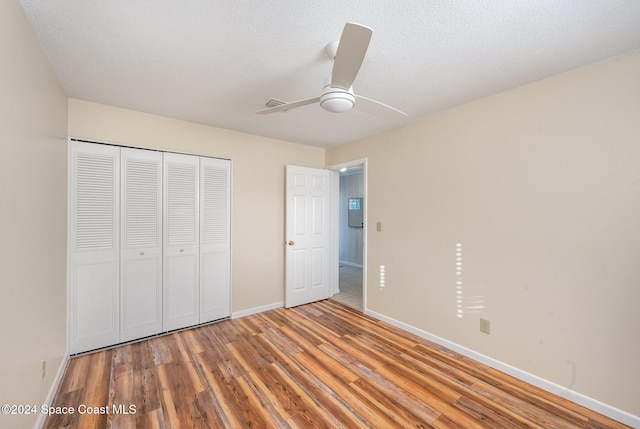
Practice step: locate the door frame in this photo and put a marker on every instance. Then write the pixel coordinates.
(335, 225)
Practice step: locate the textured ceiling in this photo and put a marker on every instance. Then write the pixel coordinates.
(217, 62)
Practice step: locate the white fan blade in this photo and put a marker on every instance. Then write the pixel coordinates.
(376, 108)
(351, 51)
(288, 106)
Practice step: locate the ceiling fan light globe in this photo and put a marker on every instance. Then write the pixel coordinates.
(337, 102)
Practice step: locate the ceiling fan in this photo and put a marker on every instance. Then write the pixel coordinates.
(337, 95)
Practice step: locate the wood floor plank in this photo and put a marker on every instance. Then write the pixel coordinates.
(243, 407)
(247, 355)
(397, 415)
(440, 403)
(306, 339)
(308, 408)
(76, 375)
(348, 416)
(366, 357)
(322, 365)
(386, 387)
(442, 379)
(259, 402)
(305, 378)
(490, 417)
(218, 387)
(65, 420)
(544, 399)
(161, 351)
(276, 318)
(151, 419)
(228, 331)
(121, 391)
(96, 391)
(249, 325)
(280, 342)
(172, 395)
(146, 390)
(191, 341)
(318, 360)
(342, 388)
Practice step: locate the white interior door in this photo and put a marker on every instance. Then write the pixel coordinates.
(94, 201)
(215, 239)
(181, 236)
(308, 235)
(141, 244)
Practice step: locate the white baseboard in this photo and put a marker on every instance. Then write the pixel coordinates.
(563, 392)
(255, 310)
(52, 391)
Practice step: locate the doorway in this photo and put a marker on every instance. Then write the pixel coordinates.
(351, 234)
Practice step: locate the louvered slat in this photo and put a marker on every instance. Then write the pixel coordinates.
(94, 202)
(215, 204)
(181, 203)
(142, 206)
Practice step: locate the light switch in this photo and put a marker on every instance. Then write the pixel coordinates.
(379, 226)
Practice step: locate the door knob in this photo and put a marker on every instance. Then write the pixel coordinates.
(141, 252)
(182, 249)
(291, 243)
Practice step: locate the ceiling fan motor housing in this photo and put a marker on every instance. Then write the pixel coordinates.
(335, 99)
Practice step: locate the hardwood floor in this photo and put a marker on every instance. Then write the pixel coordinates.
(321, 365)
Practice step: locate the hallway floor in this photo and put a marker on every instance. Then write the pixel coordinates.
(350, 286)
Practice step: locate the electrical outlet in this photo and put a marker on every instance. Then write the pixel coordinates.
(43, 371)
(485, 326)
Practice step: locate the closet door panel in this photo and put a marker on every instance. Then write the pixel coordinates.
(181, 241)
(141, 298)
(141, 252)
(214, 293)
(94, 202)
(181, 297)
(215, 254)
(94, 299)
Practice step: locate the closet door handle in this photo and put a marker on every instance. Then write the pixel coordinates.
(141, 252)
(182, 249)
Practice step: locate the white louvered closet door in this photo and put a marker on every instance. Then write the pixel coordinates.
(181, 246)
(215, 231)
(94, 199)
(141, 244)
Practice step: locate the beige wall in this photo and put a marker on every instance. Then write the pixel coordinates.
(541, 187)
(258, 165)
(33, 217)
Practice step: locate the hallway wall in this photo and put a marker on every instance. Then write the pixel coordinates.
(351, 186)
